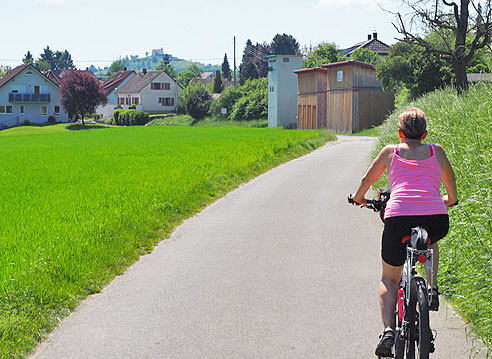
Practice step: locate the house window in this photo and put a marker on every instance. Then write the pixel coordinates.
(5, 109)
(155, 85)
(28, 72)
(135, 100)
(57, 110)
(44, 110)
(339, 75)
(168, 101)
(272, 89)
(166, 86)
(36, 89)
(127, 101)
(286, 59)
(159, 100)
(22, 109)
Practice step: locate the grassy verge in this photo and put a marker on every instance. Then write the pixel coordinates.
(462, 125)
(78, 207)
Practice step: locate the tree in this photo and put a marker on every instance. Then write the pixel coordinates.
(81, 93)
(365, 55)
(226, 69)
(57, 60)
(28, 58)
(324, 53)
(247, 71)
(418, 71)
(218, 87)
(196, 100)
(116, 66)
(42, 65)
(445, 17)
(4, 70)
(259, 59)
(168, 69)
(284, 45)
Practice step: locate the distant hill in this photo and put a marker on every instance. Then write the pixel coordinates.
(133, 62)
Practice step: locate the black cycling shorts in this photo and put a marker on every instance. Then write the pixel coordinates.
(393, 251)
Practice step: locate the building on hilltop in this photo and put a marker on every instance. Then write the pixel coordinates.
(154, 92)
(28, 95)
(372, 43)
(344, 97)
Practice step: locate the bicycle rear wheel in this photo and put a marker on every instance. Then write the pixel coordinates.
(418, 345)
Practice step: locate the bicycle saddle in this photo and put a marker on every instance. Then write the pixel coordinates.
(419, 238)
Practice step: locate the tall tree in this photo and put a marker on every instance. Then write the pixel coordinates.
(58, 60)
(285, 45)
(247, 71)
(28, 58)
(218, 87)
(261, 51)
(226, 69)
(81, 93)
(42, 65)
(444, 17)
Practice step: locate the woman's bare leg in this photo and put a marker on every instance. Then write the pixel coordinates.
(388, 293)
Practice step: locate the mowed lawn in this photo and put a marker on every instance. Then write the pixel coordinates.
(79, 206)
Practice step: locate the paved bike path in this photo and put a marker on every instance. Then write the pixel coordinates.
(282, 267)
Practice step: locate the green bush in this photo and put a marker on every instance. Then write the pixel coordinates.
(196, 100)
(130, 117)
(251, 108)
(226, 100)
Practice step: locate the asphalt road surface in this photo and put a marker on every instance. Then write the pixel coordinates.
(282, 267)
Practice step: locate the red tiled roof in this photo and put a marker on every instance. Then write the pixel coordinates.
(10, 75)
(349, 62)
(53, 77)
(110, 85)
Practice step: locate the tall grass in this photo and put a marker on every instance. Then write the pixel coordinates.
(463, 126)
(78, 206)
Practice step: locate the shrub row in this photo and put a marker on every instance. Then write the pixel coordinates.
(129, 117)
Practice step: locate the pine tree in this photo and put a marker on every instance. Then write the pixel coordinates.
(226, 69)
(218, 82)
(247, 71)
(28, 59)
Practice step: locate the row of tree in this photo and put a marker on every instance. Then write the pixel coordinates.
(53, 60)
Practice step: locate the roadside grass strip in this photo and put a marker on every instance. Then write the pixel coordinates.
(78, 206)
(462, 125)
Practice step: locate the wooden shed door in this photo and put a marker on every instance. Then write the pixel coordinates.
(309, 118)
(315, 120)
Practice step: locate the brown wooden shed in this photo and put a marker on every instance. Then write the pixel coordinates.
(311, 98)
(348, 90)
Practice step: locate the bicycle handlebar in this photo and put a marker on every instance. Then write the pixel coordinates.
(374, 204)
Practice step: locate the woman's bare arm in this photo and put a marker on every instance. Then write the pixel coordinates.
(448, 177)
(375, 171)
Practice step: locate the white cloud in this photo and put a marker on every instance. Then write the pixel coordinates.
(50, 1)
(348, 3)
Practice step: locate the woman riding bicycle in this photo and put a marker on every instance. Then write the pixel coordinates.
(415, 171)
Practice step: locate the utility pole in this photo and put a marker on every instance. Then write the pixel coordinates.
(235, 85)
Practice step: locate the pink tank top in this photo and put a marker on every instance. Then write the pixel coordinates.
(415, 187)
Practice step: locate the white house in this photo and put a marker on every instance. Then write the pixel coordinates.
(26, 94)
(111, 86)
(150, 91)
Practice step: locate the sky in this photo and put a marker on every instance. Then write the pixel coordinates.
(100, 31)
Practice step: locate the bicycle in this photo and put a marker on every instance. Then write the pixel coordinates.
(413, 337)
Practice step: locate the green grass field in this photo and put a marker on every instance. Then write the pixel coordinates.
(462, 125)
(78, 206)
